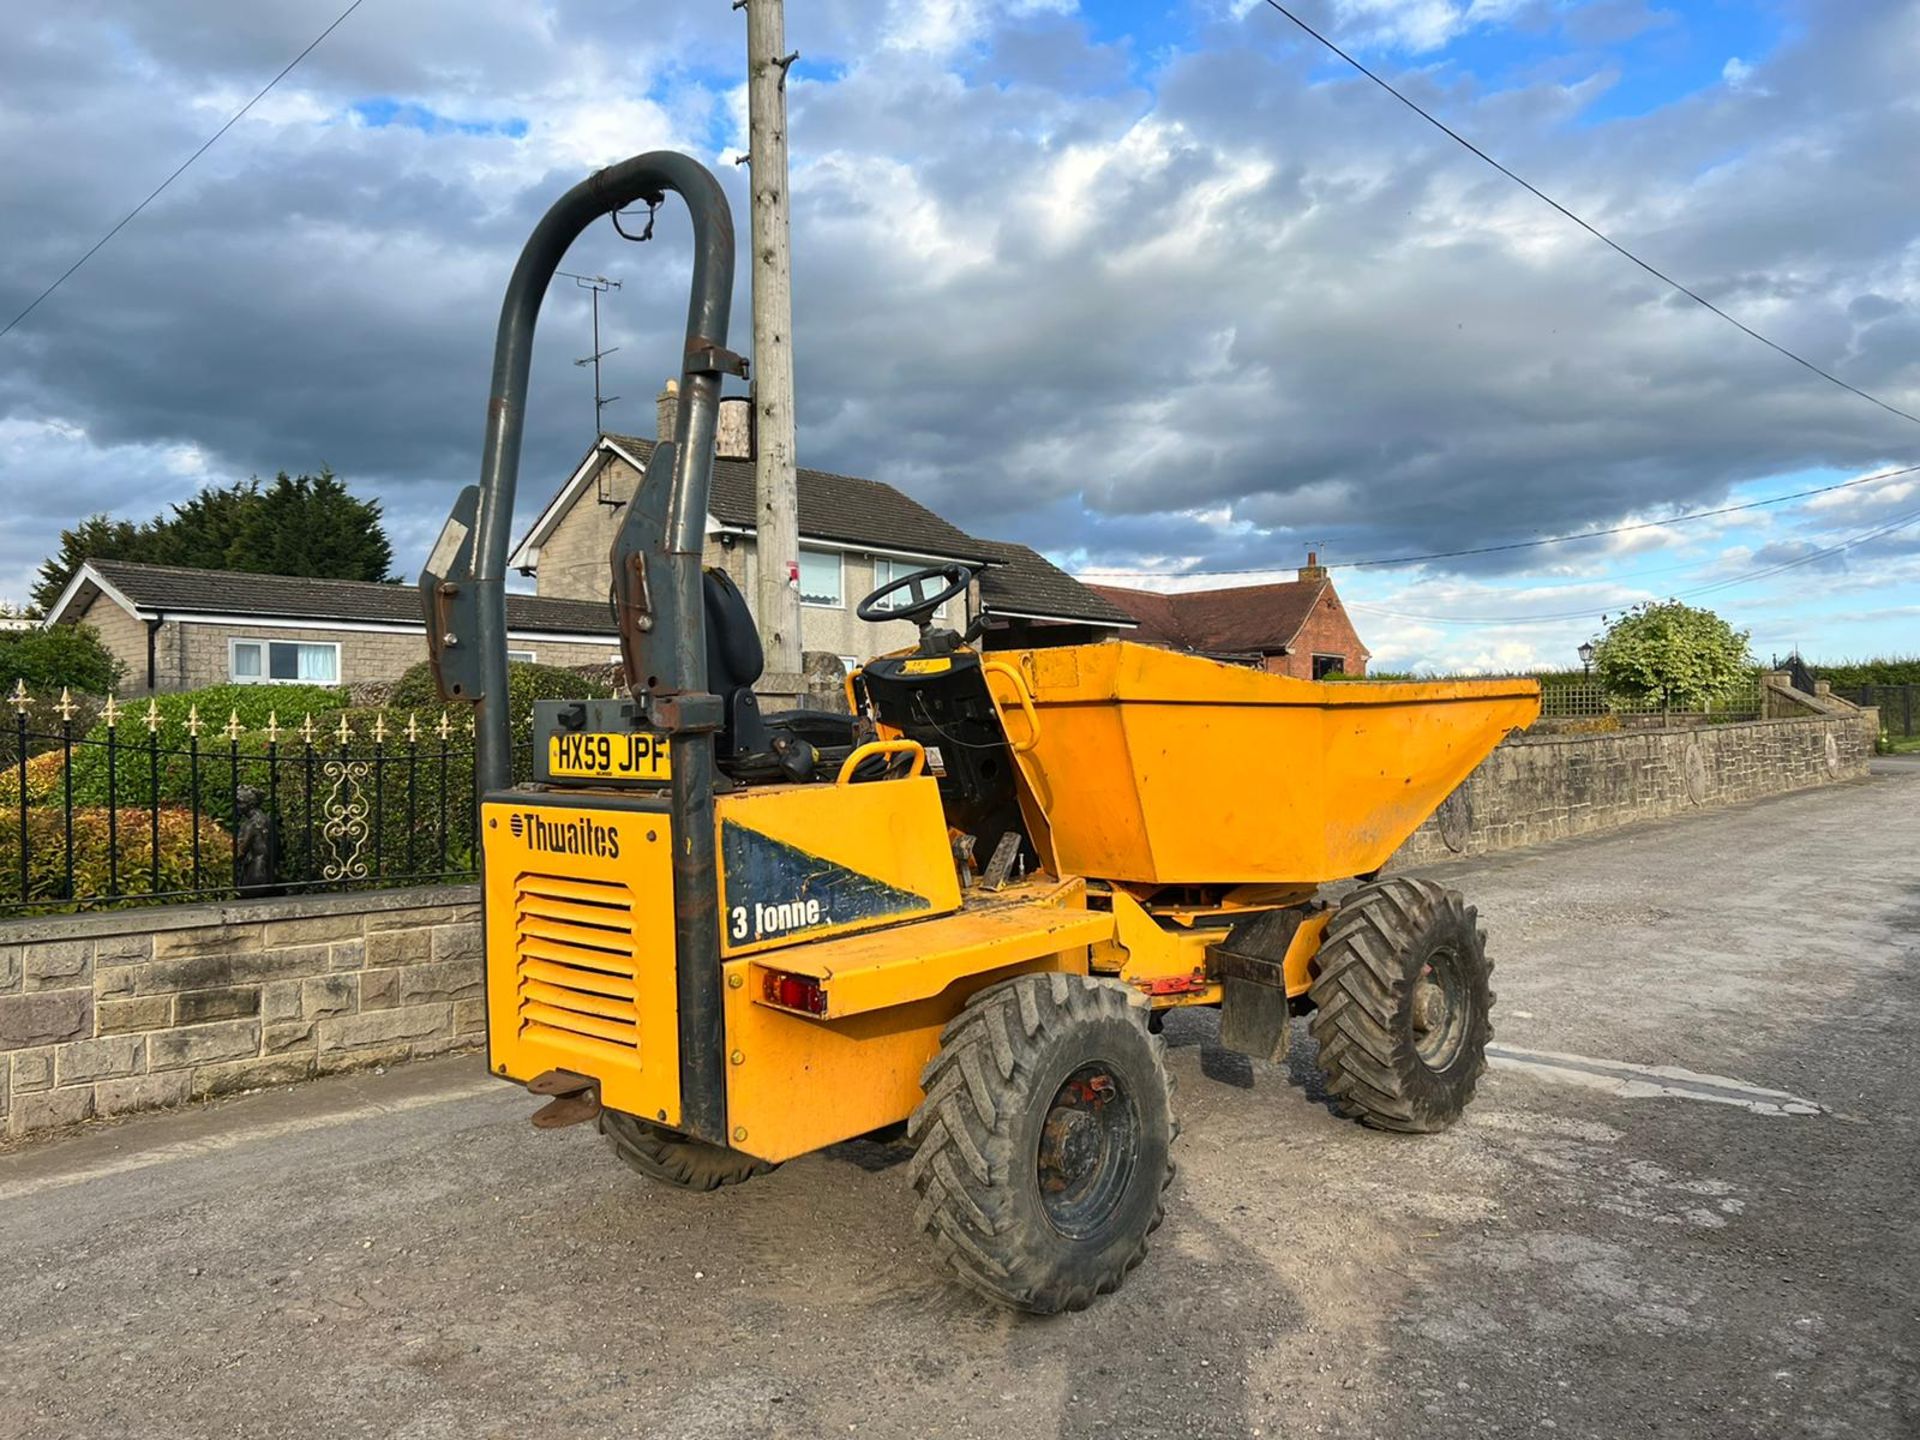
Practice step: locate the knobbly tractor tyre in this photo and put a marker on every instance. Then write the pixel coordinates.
(676, 1160)
(1403, 1005)
(1044, 1141)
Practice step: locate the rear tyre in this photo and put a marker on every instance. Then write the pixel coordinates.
(676, 1160)
(1403, 1005)
(1044, 1141)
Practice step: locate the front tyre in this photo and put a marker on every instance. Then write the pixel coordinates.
(1403, 1005)
(677, 1160)
(1044, 1141)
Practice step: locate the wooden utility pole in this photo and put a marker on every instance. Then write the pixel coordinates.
(777, 528)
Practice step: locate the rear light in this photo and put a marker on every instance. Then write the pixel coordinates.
(794, 992)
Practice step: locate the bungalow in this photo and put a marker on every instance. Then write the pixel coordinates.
(1297, 627)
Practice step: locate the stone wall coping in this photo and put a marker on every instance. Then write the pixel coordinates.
(1707, 727)
(153, 919)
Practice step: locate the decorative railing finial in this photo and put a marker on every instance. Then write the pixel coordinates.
(110, 712)
(21, 700)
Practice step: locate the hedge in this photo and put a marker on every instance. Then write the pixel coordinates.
(47, 855)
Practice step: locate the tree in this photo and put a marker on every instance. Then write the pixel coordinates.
(63, 657)
(311, 525)
(1673, 655)
(94, 538)
(299, 525)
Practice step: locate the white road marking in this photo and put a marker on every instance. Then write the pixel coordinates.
(1648, 1082)
(230, 1139)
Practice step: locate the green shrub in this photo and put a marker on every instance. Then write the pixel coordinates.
(525, 684)
(63, 657)
(1848, 675)
(92, 872)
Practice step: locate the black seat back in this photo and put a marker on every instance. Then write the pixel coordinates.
(734, 662)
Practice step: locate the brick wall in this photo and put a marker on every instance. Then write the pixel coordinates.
(1538, 788)
(134, 1009)
(1327, 630)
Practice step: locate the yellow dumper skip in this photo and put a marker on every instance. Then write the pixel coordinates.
(1152, 767)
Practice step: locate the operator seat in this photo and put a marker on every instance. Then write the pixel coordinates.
(734, 662)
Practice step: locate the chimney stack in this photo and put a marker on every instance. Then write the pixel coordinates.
(1313, 569)
(666, 409)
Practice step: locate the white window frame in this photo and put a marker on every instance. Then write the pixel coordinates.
(1318, 655)
(906, 567)
(266, 677)
(840, 562)
(523, 657)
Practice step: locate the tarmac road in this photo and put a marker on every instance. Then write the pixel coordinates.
(1595, 1251)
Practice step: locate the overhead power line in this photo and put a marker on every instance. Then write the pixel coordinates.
(1591, 229)
(232, 120)
(1899, 522)
(1397, 560)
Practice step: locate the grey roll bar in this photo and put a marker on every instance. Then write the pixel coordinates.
(463, 587)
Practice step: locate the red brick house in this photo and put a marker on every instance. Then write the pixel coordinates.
(1297, 628)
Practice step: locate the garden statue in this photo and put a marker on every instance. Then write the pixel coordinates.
(256, 845)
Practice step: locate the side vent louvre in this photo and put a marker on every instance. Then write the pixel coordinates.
(573, 940)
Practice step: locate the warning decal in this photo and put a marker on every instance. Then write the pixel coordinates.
(773, 889)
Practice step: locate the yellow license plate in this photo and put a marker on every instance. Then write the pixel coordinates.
(638, 755)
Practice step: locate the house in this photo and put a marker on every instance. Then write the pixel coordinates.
(177, 629)
(855, 535)
(1297, 627)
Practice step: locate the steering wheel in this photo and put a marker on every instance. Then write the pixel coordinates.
(875, 611)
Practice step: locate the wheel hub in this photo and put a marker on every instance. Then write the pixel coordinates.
(1086, 1153)
(1439, 1009)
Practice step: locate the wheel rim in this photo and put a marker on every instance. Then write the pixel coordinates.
(1089, 1144)
(1441, 1006)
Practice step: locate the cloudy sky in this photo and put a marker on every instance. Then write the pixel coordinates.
(1154, 285)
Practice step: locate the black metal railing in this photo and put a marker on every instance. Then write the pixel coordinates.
(127, 806)
(1899, 706)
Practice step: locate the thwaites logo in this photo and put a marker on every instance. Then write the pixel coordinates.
(583, 836)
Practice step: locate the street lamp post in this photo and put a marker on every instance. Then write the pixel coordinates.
(1586, 658)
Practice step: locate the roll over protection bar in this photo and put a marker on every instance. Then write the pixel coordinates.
(657, 576)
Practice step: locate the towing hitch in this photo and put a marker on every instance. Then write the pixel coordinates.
(575, 1100)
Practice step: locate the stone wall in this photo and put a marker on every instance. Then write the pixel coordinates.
(133, 1009)
(1537, 788)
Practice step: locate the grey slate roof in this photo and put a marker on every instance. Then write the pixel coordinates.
(289, 597)
(834, 507)
(1027, 583)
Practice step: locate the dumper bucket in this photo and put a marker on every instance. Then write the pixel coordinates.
(1148, 766)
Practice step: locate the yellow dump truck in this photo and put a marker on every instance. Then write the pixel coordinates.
(956, 913)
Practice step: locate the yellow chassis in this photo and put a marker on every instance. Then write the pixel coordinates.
(580, 954)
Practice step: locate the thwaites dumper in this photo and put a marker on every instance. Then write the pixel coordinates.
(731, 938)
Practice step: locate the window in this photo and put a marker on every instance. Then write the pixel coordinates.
(886, 570)
(1325, 665)
(820, 578)
(521, 657)
(283, 662)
